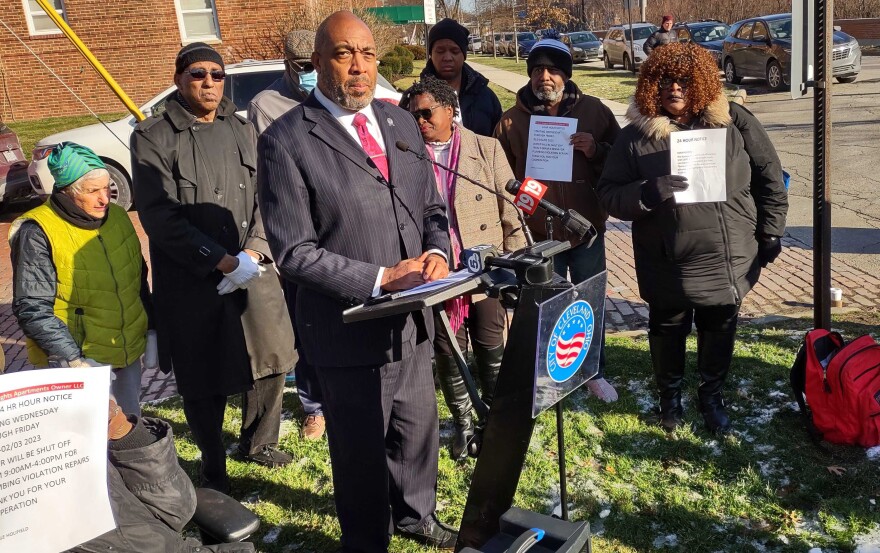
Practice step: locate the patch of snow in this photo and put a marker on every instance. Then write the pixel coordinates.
(777, 394)
(272, 535)
(643, 391)
(873, 453)
(669, 540)
(604, 513)
(868, 542)
(762, 417)
(764, 449)
(815, 550)
(714, 448)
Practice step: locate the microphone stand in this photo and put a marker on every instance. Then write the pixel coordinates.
(522, 221)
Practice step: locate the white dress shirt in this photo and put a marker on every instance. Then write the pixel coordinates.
(345, 117)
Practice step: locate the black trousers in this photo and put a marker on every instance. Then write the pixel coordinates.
(678, 322)
(383, 436)
(485, 325)
(205, 419)
(261, 414)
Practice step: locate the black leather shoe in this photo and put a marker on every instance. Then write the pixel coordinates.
(432, 532)
(268, 456)
(715, 415)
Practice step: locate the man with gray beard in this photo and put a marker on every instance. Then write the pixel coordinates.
(552, 92)
(348, 216)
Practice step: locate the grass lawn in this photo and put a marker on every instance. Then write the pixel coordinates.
(591, 77)
(29, 132)
(764, 488)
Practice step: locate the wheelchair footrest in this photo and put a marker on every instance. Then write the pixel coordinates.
(222, 518)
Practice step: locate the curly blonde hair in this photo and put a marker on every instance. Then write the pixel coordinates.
(678, 60)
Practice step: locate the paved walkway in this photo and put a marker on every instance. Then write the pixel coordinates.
(785, 287)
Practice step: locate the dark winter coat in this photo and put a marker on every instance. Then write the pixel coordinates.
(659, 38)
(701, 254)
(480, 108)
(151, 497)
(192, 223)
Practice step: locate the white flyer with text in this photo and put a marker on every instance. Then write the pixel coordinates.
(550, 153)
(53, 459)
(701, 156)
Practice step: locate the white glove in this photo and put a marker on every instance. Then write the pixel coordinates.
(150, 358)
(226, 286)
(248, 269)
(83, 362)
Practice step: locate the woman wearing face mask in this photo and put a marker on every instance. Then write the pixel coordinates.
(694, 262)
(475, 217)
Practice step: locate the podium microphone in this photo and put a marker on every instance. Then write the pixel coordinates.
(529, 196)
(476, 259)
(404, 147)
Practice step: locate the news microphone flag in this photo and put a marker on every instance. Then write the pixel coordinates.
(476, 259)
(529, 195)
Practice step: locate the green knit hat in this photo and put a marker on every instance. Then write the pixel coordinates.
(70, 161)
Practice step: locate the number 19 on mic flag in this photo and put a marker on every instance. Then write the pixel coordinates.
(529, 195)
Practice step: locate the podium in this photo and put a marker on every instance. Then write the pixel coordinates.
(550, 352)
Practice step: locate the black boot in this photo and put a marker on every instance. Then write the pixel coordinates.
(488, 363)
(458, 401)
(668, 357)
(714, 355)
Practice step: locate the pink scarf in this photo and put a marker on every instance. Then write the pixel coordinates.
(457, 309)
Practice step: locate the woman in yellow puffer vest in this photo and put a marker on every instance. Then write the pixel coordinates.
(80, 289)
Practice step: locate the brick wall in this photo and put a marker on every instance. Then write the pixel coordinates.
(867, 31)
(135, 41)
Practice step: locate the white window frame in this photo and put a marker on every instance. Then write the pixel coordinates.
(29, 16)
(181, 25)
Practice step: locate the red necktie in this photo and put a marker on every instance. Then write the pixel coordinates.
(369, 144)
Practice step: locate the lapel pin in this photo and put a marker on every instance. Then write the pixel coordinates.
(390, 122)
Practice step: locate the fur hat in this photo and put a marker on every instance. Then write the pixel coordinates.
(194, 53)
(551, 52)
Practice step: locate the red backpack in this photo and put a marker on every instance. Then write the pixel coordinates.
(841, 383)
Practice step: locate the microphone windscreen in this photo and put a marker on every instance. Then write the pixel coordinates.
(512, 186)
(402, 146)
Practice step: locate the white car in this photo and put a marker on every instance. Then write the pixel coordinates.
(111, 142)
(616, 45)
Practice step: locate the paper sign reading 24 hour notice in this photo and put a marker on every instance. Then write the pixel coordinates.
(550, 153)
(53, 459)
(701, 156)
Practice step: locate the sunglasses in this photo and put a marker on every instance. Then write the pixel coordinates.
(424, 113)
(200, 74)
(683, 82)
(305, 67)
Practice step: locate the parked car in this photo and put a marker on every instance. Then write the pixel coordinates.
(13, 166)
(490, 42)
(761, 47)
(475, 44)
(706, 33)
(502, 42)
(524, 42)
(584, 45)
(243, 81)
(617, 45)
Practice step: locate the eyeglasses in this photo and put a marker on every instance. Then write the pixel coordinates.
(200, 74)
(424, 113)
(683, 82)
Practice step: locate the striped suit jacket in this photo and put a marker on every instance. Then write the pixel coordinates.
(332, 221)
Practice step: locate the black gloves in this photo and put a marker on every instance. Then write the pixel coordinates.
(769, 248)
(659, 189)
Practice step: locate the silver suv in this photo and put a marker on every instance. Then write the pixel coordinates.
(617, 45)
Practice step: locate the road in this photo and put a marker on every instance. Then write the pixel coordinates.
(855, 161)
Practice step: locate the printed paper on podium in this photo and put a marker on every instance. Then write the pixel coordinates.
(53, 459)
(550, 153)
(701, 156)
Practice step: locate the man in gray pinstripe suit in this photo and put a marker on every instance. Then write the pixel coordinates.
(345, 225)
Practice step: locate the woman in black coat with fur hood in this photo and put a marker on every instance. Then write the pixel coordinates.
(696, 261)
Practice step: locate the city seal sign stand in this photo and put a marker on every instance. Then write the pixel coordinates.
(552, 348)
(53, 459)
